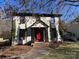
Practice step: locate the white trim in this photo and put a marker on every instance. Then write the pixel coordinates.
(57, 28)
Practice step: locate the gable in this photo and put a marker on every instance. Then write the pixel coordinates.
(32, 22)
(38, 24)
(46, 20)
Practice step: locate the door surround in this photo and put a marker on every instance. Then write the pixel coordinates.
(42, 34)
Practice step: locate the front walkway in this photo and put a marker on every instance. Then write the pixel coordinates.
(35, 53)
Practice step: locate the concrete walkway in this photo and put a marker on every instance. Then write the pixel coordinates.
(39, 50)
(35, 53)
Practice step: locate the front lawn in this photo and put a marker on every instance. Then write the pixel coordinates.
(67, 50)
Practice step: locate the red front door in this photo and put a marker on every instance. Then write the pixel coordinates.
(39, 34)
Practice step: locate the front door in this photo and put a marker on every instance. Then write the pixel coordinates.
(38, 34)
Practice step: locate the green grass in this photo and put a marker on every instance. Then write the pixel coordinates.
(62, 53)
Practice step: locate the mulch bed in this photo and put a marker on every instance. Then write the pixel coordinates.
(15, 50)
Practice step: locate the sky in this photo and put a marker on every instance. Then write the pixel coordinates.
(68, 12)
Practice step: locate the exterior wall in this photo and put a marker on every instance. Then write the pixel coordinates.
(46, 20)
(30, 20)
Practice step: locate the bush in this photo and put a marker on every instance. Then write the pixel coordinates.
(6, 34)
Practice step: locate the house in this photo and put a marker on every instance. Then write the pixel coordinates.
(35, 27)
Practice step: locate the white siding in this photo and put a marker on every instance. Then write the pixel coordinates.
(29, 20)
(38, 25)
(46, 20)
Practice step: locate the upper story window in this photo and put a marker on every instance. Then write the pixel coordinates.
(22, 20)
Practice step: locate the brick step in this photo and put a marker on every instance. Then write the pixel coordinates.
(41, 44)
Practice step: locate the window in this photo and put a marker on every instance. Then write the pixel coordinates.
(22, 20)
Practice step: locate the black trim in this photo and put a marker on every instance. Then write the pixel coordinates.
(36, 14)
